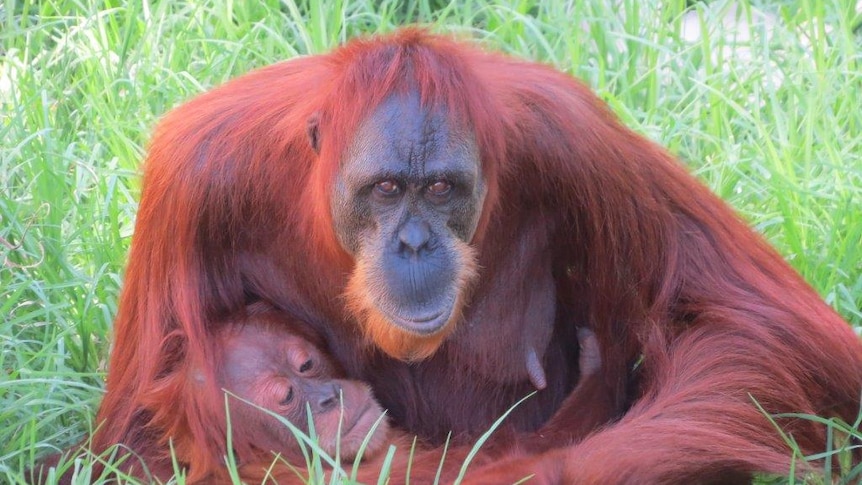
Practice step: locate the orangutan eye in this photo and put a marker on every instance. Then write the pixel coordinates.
(288, 397)
(306, 366)
(387, 187)
(439, 188)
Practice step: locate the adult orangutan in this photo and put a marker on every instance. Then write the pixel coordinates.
(446, 217)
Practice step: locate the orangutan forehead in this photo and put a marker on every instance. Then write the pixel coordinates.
(410, 140)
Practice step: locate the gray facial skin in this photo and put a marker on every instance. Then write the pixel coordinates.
(409, 189)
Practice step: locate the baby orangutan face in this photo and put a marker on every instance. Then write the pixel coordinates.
(267, 364)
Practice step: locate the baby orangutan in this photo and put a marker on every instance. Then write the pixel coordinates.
(275, 363)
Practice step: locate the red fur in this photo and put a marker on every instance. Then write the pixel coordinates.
(585, 222)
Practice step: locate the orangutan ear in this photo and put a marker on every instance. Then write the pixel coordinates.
(312, 129)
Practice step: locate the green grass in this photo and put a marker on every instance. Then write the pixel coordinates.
(770, 119)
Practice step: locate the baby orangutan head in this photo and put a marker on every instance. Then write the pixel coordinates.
(269, 361)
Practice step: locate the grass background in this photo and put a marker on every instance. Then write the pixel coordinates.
(761, 100)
